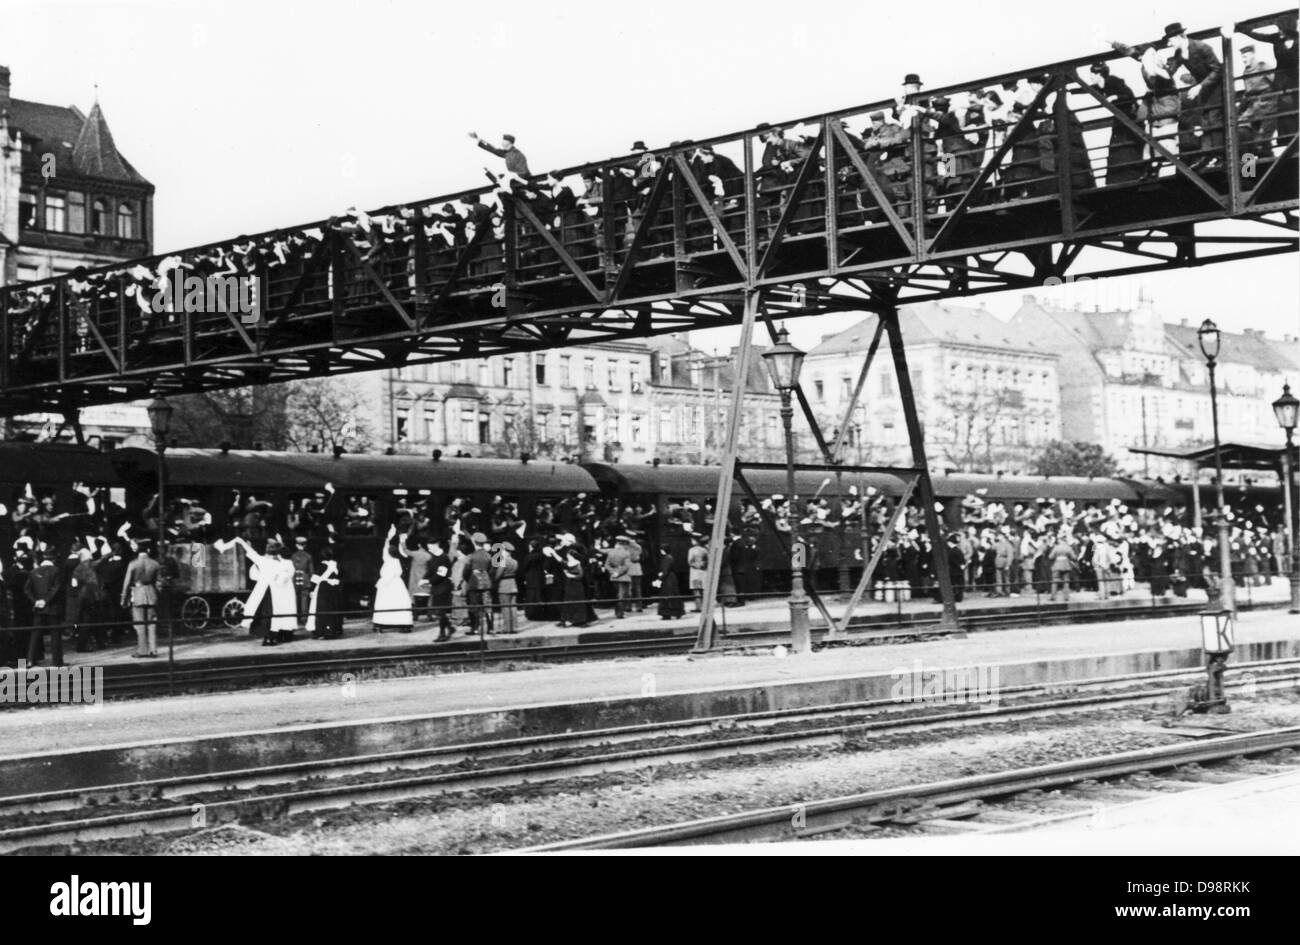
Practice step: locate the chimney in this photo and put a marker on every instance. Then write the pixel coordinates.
(4, 87)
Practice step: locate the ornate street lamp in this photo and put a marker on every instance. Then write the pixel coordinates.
(160, 419)
(1286, 408)
(784, 362)
(1208, 336)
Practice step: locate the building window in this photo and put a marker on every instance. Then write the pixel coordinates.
(431, 423)
(566, 371)
(566, 429)
(484, 427)
(468, 425)
(613, 375)
(126, 221)
(634, 379)
(403, 424)
(508, 372)
(99, 217)
(887, 385)
(846, 387)
(485, 374)
(665, 369)
(539, 369)
(636, 428)
(589, 373)
(666, 426)
(76, 213)
(56, 213)
(820, 389)
(27, 210)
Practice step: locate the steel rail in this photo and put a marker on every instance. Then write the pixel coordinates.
(833, 813)
(288, 803)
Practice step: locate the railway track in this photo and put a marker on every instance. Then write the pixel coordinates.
(133, 680)
(275, 791)
(1083, 788)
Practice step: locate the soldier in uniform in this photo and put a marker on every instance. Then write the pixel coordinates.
(635, 573)
(140, 589)
(303, 566)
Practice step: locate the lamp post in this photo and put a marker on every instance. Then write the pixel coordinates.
(1286, 408)
(1208, 337)
(160, 419)
(784, 362)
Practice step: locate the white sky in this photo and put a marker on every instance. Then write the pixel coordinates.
(254, 115)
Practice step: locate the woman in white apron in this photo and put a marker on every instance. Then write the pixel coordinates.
(274, 577)
(325, 616)
(392, 599)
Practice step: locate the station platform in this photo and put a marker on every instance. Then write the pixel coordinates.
(355, 716)
(769, 614)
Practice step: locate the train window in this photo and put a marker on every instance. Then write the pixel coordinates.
(462, 515)
(360, 518)
(309, 513)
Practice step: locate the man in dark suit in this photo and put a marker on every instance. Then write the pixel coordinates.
(112, 570)
(45, 590)
(516, 163)
(438, 571)
(1201, 104)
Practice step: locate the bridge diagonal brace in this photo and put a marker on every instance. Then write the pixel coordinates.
(1132, 127)
(651, 210)
(869, 181)
(876, 555)
(792, 199)
(1013, 137)
(1287, 153)
(239, 328)
(723, 236)
(99, 340)
(383, 287)
(531, 218)
(309, 267)
(857, 390)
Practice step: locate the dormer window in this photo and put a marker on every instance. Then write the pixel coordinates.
(56, 213)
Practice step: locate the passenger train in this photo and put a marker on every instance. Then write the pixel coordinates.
(361, 494)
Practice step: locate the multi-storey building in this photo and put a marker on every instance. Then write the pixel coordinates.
(69, 198)
(986, 394)
(583, 403)
(1129, 379)
(691, 397)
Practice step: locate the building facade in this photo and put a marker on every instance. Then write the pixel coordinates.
(589, 403)
(69, 198)
(1130, 379)
(987, 396)
(691, 394)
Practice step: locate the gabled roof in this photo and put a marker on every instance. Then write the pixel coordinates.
(935, 323)
(82, 145)
(1251, 348)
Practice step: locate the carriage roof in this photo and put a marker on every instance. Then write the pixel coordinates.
(264, 469)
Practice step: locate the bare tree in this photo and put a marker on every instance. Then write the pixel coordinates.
(967, 425)
(244, 417)
(325, 413)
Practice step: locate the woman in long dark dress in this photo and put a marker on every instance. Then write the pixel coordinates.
(325, 616)
(573, 612)
(671, 605)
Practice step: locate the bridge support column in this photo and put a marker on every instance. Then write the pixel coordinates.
(707, 637)
(938, 548)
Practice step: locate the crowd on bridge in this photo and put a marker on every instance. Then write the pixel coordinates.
(93, 570)
(1170, 89)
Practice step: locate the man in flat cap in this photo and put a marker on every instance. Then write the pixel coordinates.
(516, 163)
